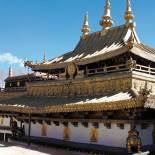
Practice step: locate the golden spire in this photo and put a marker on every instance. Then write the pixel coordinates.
(106, 21)
(128, 14)
(10, 72)
(85, 29)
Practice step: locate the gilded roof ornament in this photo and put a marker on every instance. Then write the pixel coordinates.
(106, 21)
(131, 64)
(85, 29)
(128, 14)
(131, 41)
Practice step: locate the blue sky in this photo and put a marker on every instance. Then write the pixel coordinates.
(30, 27)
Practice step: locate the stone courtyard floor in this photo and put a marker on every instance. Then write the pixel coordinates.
(22, 149)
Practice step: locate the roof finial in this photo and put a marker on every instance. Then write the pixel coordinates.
(106, 21)
(85, 29)
(128, 14)
(131, 41)
(10, 72)
(44, 57)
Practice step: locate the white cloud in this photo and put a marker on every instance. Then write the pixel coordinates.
(3, 75)
(10, 59)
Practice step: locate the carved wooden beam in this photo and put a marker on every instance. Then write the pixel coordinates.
(95, 124)
(85, 124)
(40, 121)
(65, 124)
(75, 124)
(108, 125)
(120, 125)
(48, 122)
(56, 123)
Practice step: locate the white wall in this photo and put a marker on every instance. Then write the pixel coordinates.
(55, 131)
(52, 132)
(110, 137)
(146, 134)
(80, 134)
(113, 137)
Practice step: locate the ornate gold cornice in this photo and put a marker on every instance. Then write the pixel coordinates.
(105, 106)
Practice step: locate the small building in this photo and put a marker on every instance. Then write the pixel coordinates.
(102, 92)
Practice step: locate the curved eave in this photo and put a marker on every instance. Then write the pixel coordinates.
(84, 61)
(143, 53)
(106, 106)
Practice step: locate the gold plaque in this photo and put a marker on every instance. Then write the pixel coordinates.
(71, 69)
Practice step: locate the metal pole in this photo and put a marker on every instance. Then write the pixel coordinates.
(29, 131)
(4, 137)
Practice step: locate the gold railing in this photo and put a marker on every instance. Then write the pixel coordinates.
(119, 68)
(107, 69)
(145, 69)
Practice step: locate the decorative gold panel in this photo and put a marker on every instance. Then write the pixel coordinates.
(66, 133)
(1, 120)
(44, 129)
(94, 135)
(82, 87)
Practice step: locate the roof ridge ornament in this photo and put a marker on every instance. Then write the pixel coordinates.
(131, 41)
(128, 13)
(106, 21)
(85, 29)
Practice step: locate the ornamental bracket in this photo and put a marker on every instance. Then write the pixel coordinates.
(131, 64)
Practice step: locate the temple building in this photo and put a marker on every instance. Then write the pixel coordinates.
(101, 93)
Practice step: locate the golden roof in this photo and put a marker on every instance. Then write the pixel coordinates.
(93, 48)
